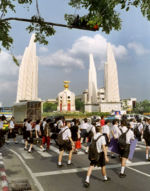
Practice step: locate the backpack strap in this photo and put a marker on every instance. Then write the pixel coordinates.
(64, 131)
(99, 138)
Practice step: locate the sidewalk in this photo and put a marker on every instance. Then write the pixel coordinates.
(16, 173)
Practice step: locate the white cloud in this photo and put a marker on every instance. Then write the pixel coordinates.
(61, 59)
(8, 86)
(138, 48)
(7, 66)
(43, 49)
(78, 55)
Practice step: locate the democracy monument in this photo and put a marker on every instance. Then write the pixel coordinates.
(105, 99)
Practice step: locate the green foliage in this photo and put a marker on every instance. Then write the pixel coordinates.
(49, 107)
(79, 105)
(142, 107)
(103, 14)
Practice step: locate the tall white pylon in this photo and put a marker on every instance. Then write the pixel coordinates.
(92, 83)
(28, 74)
(111, 77)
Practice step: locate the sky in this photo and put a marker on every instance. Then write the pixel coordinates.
(67, 55)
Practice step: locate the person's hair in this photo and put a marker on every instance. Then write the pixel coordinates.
(98, 128)
(44, 119)
(107, 121)
(25, 119)
(85, 120)
(123, 123)
(139, 120)
(94, 123)
(29, 121)
(114, 121)
(102, 117)
(128, 125)
(37, 122)
(48, 120)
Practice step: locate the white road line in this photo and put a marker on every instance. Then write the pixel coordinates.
(25, 154)
(57, 172)
(143, 173)
(43, 154)
(36, 182)
(141, 146)
(138, 149)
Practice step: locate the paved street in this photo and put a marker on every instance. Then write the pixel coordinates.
(42, 167)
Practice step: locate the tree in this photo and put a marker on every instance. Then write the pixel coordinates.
(142, 107)
(79, 105)
(49, 107)
(102, 14)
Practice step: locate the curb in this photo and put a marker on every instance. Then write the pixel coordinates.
(4, 182)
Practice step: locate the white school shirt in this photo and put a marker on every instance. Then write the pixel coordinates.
(29, 127)
(133, 124)
(140, 127)
(101, 141)
(129, 135)
(66, 134)
(37, 127)
(116, 131)
(11, 125)
(84, 126)
(106, 129)
(43, 124)
(91, 128)
(1, 124)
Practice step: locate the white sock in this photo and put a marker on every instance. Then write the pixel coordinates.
(122, 169)
(59, 163)
(146, 156)
(69, 161)
(87, 179)
(105, 177)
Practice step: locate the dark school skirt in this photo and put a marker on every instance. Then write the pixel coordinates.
(83, 133)
(147, 141)
(28, 137)
(66, 146)
(11, 134)
(106, 139)
(100, 162)
(124, 153)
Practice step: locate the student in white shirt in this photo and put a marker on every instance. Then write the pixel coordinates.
(83, 128)
(101, 148)
(124, 153)
(106, 132)
(29, 136)
(146, 136)
(11, 133)
(38, 134)
(68, 144)
(115, 133)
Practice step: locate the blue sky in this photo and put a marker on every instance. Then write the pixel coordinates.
(66, 57)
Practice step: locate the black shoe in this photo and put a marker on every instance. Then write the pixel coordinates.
(86, 184)
(108, 179)
(69, 164)
(59, 165)
(122, 175)
(113, 157)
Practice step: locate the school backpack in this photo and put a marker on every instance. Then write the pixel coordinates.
(122, 140)
(93, 153)
(59, 139)
(146, 133)
(137, 133)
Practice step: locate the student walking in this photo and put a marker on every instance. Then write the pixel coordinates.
(102, 156)
(67, 144)
(29, 137)
(125, 149)
(146, 136)
(11, 132)
(106, 133)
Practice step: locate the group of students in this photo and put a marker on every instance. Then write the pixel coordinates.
(98, 132)
(101, 135)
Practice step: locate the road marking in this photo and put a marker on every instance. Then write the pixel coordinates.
(36, 182)
(68, 171)
(25, 154)
(143, 173)
(138, 149)
(43, 154)
(56, 150)
(141, 146)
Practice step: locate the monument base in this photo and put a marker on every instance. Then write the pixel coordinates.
(110, 106)
(91, 107)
